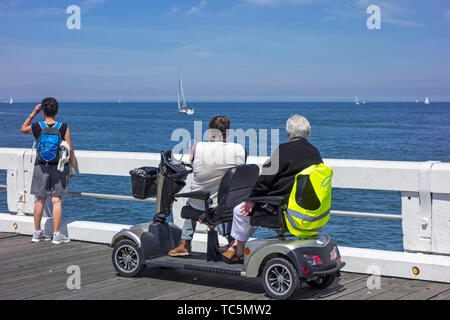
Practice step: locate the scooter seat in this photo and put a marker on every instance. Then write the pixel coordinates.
(260, 218)
(187, 212)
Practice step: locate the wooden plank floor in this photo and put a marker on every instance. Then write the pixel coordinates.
(38, 271)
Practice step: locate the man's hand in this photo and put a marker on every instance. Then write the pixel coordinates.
(71, 171)
(36, 109)
(26, 126)
(247, 207)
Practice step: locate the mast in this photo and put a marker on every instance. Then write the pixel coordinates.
(179, 85)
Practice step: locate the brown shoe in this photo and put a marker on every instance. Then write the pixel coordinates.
(183, 249)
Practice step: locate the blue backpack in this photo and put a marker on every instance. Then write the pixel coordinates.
(48, 143)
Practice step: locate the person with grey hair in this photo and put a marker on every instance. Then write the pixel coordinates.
(276, 179)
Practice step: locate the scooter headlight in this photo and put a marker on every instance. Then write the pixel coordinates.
(333, 254)
(313, 260)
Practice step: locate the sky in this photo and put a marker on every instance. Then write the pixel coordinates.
(228, 50)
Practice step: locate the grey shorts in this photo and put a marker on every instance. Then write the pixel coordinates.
(49, 182)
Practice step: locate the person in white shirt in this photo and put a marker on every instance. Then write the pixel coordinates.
(210, 161)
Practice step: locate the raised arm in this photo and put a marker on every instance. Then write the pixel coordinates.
(26, 126)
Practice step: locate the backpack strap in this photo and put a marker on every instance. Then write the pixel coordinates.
(43, 124)
(58, 125)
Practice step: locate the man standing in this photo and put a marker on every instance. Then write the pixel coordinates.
(47, 180)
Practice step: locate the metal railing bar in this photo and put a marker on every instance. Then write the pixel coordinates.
(338, 213)
(352, 214)
(109, 196)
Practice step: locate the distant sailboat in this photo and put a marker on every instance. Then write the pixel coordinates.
(119, 101)
(417, 101)
(427, 101)
(182, 106)
(11, 101)
(356, 100)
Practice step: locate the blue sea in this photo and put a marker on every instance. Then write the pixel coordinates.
(375, 131)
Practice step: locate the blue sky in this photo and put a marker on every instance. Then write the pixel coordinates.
(302, 50)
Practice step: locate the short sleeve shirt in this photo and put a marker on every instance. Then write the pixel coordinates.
(36, 128)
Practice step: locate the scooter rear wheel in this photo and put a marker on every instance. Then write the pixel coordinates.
(127, 258)
(280, 279)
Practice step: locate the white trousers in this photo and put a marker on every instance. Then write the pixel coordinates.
(241, 229)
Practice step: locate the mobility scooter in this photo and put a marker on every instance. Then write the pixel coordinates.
(283, 261)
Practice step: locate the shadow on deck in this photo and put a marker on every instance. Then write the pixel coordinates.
(38, 271)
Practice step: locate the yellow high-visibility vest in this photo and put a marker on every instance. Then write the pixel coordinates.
(307, 218)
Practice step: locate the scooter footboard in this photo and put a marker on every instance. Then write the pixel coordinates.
(160, 238)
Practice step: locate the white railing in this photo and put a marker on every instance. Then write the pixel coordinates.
(424, 187)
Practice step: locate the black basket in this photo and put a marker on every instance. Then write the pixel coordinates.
(143, 182)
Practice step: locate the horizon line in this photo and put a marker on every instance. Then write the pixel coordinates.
(223, 101)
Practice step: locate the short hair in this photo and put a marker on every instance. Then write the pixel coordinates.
(49, 106)
(220, 124)
(298, 126)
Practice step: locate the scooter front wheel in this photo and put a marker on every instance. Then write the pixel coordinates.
(280, 279)
(127, 258)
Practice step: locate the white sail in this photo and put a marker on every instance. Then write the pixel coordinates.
(182, 106)
(427, 101)
(181, 92)
(11, 100)
(356, 100)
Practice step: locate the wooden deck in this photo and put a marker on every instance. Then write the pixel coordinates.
(38, 271)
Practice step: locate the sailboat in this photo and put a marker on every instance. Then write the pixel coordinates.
(427, 101)
(356, 100)
(11, 101)
(182, 106)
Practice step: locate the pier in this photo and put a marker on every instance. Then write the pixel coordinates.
(38, 271)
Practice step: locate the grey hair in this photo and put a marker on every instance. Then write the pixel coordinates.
(298, 126)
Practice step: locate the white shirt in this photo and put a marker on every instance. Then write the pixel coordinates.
(211, 161)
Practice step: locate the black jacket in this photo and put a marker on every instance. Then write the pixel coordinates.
(291, 157)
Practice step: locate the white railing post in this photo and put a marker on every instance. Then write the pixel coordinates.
(440, 187)
(19, 182)
(426, 214)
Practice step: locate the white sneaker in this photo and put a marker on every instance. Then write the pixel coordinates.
(39, 236)
(60, 238)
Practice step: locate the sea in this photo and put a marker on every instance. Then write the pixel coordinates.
(405, 131)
